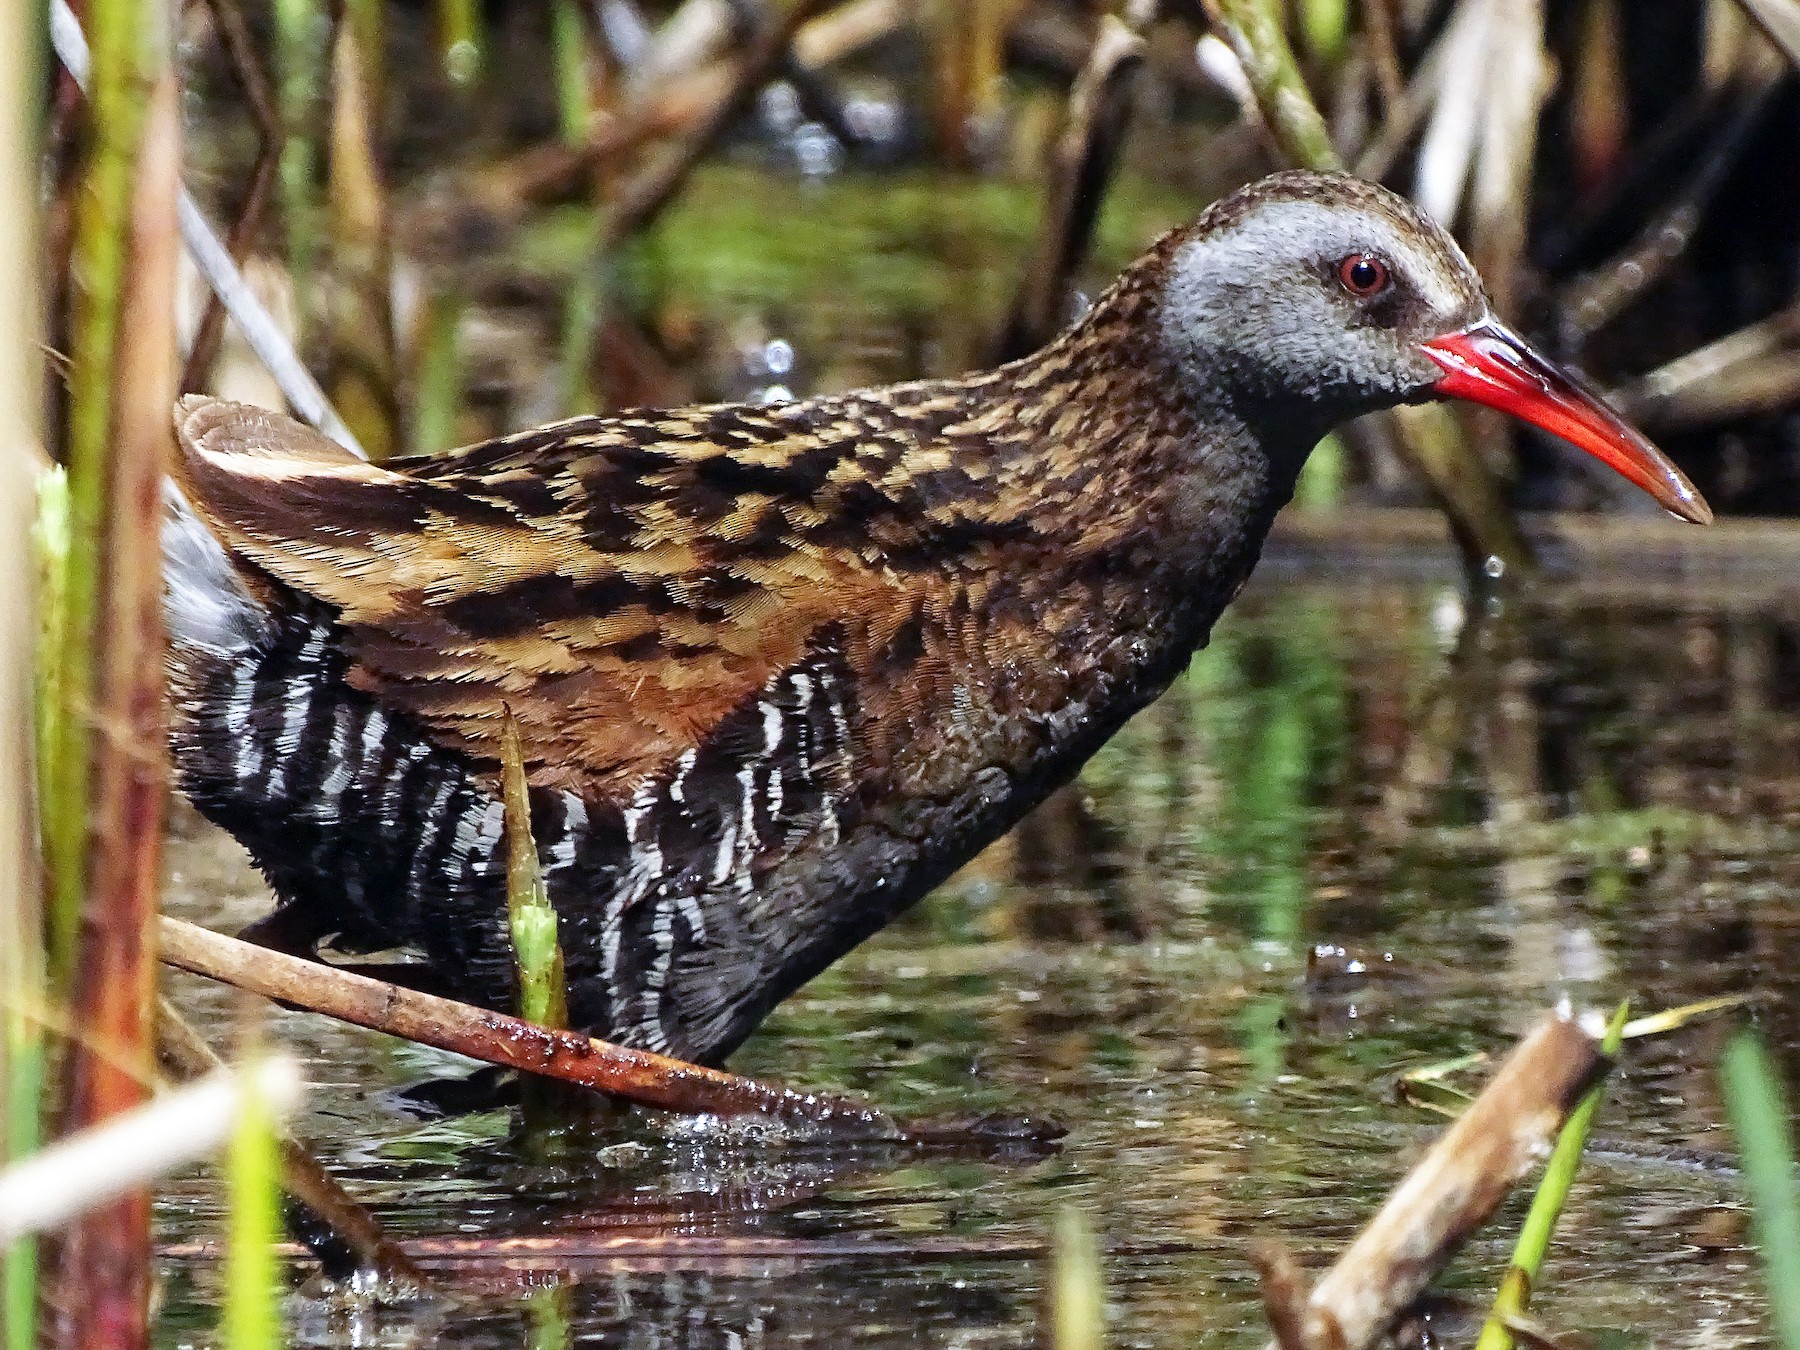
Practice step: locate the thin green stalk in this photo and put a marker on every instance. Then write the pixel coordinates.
(580, 322)
(569, 44)
(459, 26)
(1321, 484)
(24, 1133)
(1759, 1118)
(550, 1327)
(438, 379)
(1326, 24)
(539, 956)
(536, 952)
(22, 33)
(252, 1313)
(300, 29)
(24, 974)
(1258, 36)
(365, 21)
(1077, 1290)
(1547, 1205)
(55, 708)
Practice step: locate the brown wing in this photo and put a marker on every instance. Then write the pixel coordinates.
(622, 584)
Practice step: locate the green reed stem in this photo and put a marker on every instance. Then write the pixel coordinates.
(22, 34)
(459, 26)
(120, 34)
(252, 1313)
(1759, 1118)
(569, 45)
(364, 17)
(1259, 37)
(22, 961)
(23, 1112)
(548, 1321)
(300, 27)
(542, 997)
(1077, 1289)
(1547, 1205)
(437, 403)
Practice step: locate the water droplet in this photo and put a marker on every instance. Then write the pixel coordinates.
(780, 107)
(875, 120)
(1494, 567)
(816, 150)
(463, 61)
(778, 356)
(777, 393)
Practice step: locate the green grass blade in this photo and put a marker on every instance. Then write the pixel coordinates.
(252, 1316)
(1547, 1205)
(1759, 1119)
(1077, 1291)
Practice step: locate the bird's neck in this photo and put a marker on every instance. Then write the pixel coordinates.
(1095, 517)
(1116, 462)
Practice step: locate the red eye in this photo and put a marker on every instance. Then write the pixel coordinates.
(1363, 274)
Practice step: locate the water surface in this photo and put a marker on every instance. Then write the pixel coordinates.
(1578, 796)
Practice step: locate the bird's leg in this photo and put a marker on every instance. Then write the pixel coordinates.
(296, 929)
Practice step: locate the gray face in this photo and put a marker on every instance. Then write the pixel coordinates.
(1263, 305)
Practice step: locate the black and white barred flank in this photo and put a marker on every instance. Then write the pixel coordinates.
(381, 838)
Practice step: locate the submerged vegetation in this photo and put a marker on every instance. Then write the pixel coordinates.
(1378, 824)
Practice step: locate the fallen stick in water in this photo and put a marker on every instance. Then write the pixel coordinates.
(1447, 1196)
(568, 1057)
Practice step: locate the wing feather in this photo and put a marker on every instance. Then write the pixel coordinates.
(621, 584)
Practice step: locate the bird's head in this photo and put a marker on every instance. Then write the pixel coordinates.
(1332, 295)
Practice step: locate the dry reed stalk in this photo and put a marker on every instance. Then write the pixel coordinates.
(1518, 81)
(1780, 22)
(569, 1057)
(967, 40)
(1081, 164)
(104, 1282)
(85, 1171)
(365, 367)
(675, 105)
(253, 83)
(831, 37)
(1447, 1196)
(271, 343)
(641, 199)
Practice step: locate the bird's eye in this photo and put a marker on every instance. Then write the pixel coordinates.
(1363, 275)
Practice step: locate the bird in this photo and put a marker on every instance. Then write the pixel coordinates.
(779, 669)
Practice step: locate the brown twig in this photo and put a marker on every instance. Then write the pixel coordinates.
(244, 230)
(1591, 301)
(1384, 52)
(1081, 164)
(1449, 1194)
(342, 1234)
(253, 83)
(643, 197)
(1283, 1293)
(1752, 372)
(636, 1075)
(680, 104)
